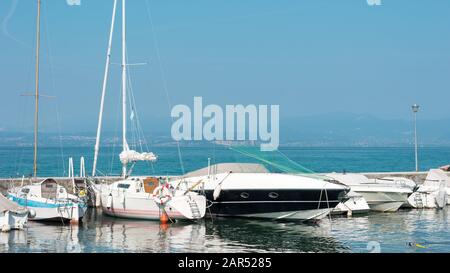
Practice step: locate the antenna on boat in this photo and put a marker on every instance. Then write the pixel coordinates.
(105, 81)
(82, 168)
(209, 166)
(124, 87)
(71, 174)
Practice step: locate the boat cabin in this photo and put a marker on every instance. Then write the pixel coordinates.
(137, 184)
(48, 189)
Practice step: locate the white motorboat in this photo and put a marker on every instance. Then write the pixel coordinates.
(49, 201)
(383, 197)
(12, 216)
(433, 193)
(147, 198)
(249, 190)
(402, 182)
(356, 204)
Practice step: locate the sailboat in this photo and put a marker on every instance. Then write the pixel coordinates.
(148, 198)
(382, 197)
(50, 201)
(46, 198)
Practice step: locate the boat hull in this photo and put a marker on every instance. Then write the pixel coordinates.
(355, 205)
(152, 214)
(143, 207)
(13, 220)
(386, 206)
(311, 204)
(384, 201)
(49, 210)
(301, 215)
(427, 200)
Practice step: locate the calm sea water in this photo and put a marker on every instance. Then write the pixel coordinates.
(404, 231)
(16, 162)
(408, 231)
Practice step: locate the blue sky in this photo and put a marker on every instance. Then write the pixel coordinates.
(311, 57)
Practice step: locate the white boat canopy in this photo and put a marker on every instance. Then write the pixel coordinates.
(229, 167)
(8, 205)
(128, 156)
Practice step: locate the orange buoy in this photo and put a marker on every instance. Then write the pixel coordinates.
(164, 227)
(163, 218)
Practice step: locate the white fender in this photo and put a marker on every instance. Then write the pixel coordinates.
(109, 201)
(217, 191)
(5, 228)
(441, 196)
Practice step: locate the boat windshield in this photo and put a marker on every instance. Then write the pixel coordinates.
(123, 186)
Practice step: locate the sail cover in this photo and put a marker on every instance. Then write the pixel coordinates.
(8, 205)
(435, 177)
(132, 156)
(229, 167)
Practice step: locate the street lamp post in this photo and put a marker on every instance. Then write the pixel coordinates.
(415, 109)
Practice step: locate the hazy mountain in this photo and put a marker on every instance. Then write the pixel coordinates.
(334, 129)
(343, 129)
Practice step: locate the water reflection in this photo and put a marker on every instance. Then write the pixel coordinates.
(9, 241)
(269, 236)
(40, 237)
(395, 232)
(99, 233)
(120, 235)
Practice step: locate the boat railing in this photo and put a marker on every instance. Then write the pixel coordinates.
(395, 182)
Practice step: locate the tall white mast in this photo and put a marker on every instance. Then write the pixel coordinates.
(105, 81)
(124, 87)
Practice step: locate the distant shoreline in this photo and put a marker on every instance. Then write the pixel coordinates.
(282, 146)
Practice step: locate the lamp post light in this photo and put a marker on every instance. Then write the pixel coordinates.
(415, 109)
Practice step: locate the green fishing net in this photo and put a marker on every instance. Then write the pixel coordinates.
(274, 161)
